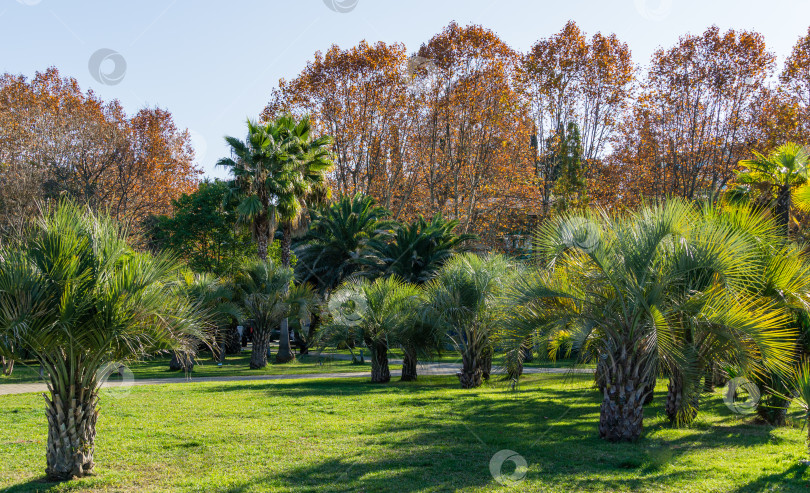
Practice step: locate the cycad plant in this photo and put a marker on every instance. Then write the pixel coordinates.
(375, 312)
(337, 238)
(654, 290)
(76, 298)
(466, 298)
(414, 252)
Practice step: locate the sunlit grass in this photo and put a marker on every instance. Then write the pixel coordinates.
(348, 435)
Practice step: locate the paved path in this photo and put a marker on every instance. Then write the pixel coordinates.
(423, 369)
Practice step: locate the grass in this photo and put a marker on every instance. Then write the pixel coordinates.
(426, 436)
(237, 365)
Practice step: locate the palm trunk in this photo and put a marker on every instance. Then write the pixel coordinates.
(178, 363)
(782, 211)
(408, 364)
(285, 353)
(682, 402)
(8, 366)
(379, 362)
(649, 391)
(486, 362)
(621, 417)
(261, 342)
(471, 374)
(71, 431)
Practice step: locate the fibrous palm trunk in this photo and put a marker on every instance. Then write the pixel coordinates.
(379, 362)
(408, 364)
(71, 431)
(261, 342)
(682, 399)
(471, 374)
(285, 354)
(621, 413)
(486, 362)
(181, 362)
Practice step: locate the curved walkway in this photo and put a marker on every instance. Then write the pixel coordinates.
(423, 369)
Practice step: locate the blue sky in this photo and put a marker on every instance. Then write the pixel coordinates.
(213, 64)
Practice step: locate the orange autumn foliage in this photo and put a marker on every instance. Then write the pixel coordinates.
(56, 140)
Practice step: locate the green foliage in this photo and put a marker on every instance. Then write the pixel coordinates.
(337, 238)
(414, 252)
(778, 181)
(279, 171)
(667, 287)
(74, 296)
(466, 299)
(203, 230)
(564, 158)
(373, 312)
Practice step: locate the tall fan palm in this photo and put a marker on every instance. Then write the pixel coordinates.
(645, 292)
(416, 251)
(279, 171)
(374, 312)
(780, 176)
(337, 238)
(466, 298)
(76, 298)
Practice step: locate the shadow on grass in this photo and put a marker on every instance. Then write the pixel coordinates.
(445, 441)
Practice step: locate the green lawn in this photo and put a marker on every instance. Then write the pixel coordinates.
(237, 365)
(349, 435)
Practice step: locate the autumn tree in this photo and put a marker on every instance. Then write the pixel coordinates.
(569, 79)
(695, 117)
(57, 140)
(359, 96)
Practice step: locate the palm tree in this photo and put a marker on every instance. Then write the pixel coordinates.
(466, 299)
(266, 298)
(415, 251)
(652, 290)
(374, 312)
(279, 171)
(76, 298)
(212, 297)
(337, 239)
(780, 176)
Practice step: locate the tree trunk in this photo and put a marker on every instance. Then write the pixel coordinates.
(621, 415)
(471, 374)
(285, 353)
(8, 366)
(782, 212)
(261, 342)
(232, 341)
(682, 402)
(408, 364)
(71, 432)
(486, 362)
(178, 363)
(649, 391)
(528, 353)
(379, 362)
(708, 382)
(261, 228)
(772, 409)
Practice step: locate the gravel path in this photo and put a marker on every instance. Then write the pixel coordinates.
(423, 369)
